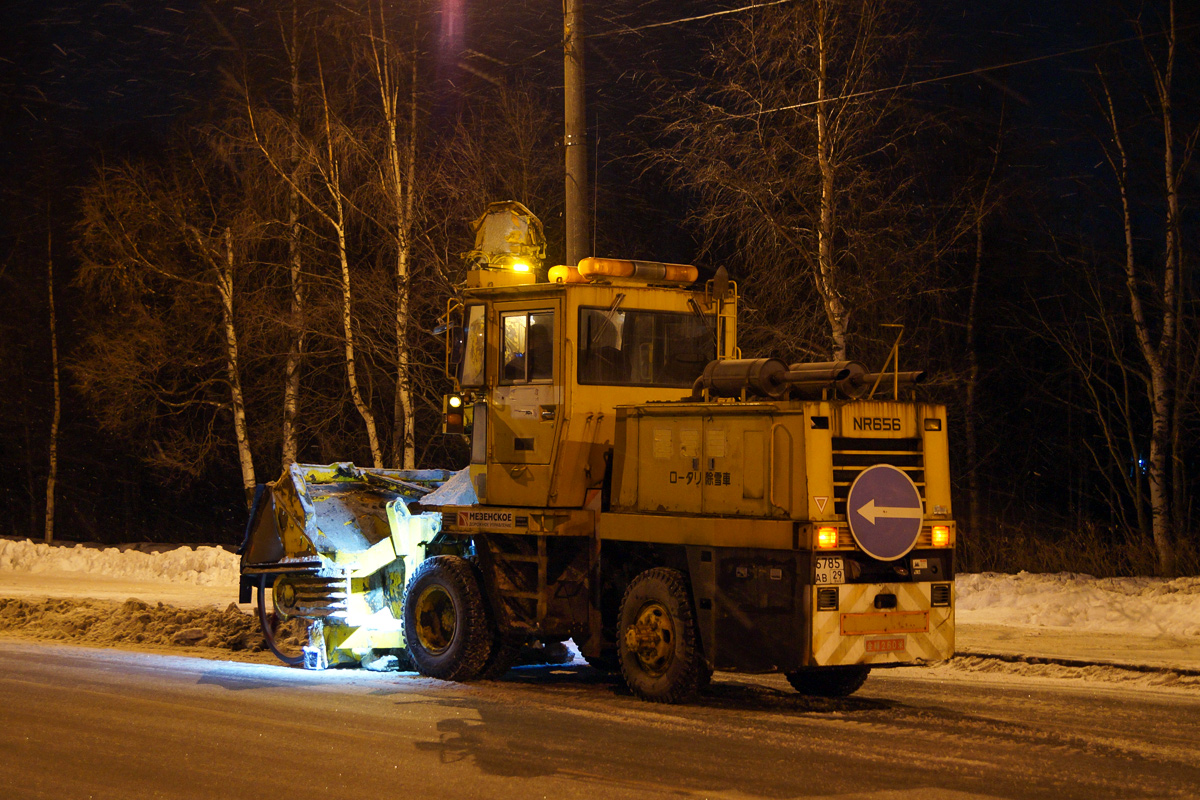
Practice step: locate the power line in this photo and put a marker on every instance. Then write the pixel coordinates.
(623, 31)
(965, 74)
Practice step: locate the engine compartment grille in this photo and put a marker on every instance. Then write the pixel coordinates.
(852, 455)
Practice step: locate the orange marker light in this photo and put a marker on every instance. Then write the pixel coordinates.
(827, 538)
(941, 536)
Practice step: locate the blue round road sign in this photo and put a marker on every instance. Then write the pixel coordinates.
(884, 511)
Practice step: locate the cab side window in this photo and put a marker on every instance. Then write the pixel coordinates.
(527, 351)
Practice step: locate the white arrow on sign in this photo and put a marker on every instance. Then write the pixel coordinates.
(871, 512)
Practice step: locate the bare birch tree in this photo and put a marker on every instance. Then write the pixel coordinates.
(794, 148)
(1155, 296)
(157, 245)
(1130, 354)
(327, 152)
(396, 77)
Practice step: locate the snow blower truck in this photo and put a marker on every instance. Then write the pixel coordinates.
(635, 485)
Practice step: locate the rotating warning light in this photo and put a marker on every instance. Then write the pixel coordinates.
(827, 538)
(941, 536)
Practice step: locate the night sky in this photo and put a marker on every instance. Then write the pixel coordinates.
(107, 77)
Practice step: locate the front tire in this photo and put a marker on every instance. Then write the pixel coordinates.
(829, 681)
(273, 624)
(445, 620)
(657, 641)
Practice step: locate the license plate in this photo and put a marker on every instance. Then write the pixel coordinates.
(889, 644)
(830, 570)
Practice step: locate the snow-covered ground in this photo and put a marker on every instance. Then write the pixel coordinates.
(1070, 615)
(1141, 606)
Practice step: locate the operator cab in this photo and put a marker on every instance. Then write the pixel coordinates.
(541, 365)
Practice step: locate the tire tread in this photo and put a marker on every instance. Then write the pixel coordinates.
(466, 661)
(829, 681)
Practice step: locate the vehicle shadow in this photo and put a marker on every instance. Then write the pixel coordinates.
(580, 724)
(727, 690)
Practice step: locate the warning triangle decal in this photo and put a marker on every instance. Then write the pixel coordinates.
(821, 501)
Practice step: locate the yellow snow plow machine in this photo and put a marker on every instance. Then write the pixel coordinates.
(635, 485)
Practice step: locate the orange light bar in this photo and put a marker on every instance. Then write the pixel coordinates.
(941, 536)
(827, 538)
(641, 270)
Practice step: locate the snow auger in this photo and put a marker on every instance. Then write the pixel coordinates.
(329, 549)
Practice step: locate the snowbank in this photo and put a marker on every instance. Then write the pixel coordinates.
(132, 622)
(1145, 606)
(199, 566)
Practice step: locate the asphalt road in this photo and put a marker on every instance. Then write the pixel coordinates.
(95, 723)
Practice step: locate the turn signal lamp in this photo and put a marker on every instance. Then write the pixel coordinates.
(941, 536)
(520, 266)
(827, 538)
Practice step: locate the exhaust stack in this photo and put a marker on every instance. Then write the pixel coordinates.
(771, 378)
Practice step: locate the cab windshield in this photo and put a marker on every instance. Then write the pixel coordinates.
(627, 347)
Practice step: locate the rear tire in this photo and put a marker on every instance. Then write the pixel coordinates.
(445, 620)
(829, 681)
(657, 639)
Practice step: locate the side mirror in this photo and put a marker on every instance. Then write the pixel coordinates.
(455, 342)
(720, 284)
(455, 339)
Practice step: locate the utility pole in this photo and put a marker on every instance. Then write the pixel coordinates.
(575, 138)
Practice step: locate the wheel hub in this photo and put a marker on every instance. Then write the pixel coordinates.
(283, 598)
(436, 619)
(651, 638)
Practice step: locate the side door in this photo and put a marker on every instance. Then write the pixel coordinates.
(525, 408)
